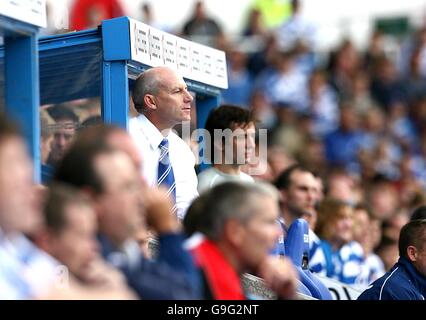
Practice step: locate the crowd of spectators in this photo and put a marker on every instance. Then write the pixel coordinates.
(346, 152)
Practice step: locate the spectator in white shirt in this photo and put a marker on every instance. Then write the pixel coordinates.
(228, 126)
(162, 99)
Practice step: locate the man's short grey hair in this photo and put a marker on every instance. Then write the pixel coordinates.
(149, 82)
(232, 201)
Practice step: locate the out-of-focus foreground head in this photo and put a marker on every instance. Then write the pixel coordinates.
(18, 206)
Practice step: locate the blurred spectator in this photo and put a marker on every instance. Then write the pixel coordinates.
(118, 200)
(201, 27)
(323, 105)
(382, 198)
(147, 14)
(238, 229)
(360, 93)
(392, 226)
(296, 31)
(118, 138)
(375, 230)
(387, 250)
(46, 136)
(418, 115)
(375, 49)
(262, 60)
(338, 256)
(401, 127)
(299, 192)
(233, 126)
(240, 82)
(312, 156)
(66, 123)
(363, 234)
(255, 26)
(25, 271)
(406, 280)
(409, 187)
(414, 44)
(386, 86)
(262, 111)
(148, 17)
(312, 216)
(286, 84)
(343, 65)
(87, 14)
(288, 134)
(341, 186)
(342, 145)
(70, 236)
(415, 82)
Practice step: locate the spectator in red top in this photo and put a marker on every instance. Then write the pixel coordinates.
(87, 14)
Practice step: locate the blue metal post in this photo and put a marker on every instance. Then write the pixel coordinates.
(115, 83)
(115, 93)
(22, 90)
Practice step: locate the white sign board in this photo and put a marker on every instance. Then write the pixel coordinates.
(29, 11)
(339, 290)
(194, 61)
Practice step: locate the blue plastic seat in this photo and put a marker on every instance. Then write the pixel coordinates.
(297, 249)
(301, 288)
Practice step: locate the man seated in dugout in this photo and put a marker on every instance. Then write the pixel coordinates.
(66, 123)
(231, 145)
(407, 278)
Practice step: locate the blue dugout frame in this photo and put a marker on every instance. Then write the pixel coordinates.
(99, 60)
(20, 81)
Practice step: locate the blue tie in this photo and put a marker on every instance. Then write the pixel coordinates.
(165, 175)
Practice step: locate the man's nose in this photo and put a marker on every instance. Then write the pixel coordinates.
(188, 96)
(62, 141)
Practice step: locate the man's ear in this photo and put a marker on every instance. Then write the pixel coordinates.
(412, 253)
(149, 101)
(234, 232)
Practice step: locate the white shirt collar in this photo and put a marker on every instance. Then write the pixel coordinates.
(153, 135)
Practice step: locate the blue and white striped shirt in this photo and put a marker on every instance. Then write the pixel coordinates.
(25, 271)
(345, 265)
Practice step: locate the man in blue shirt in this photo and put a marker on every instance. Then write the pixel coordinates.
(407, 278)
